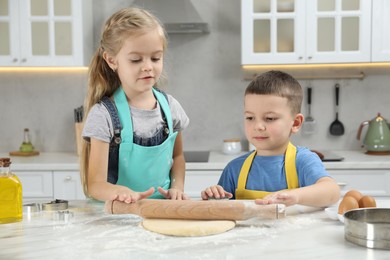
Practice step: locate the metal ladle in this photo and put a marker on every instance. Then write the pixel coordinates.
(337, 128)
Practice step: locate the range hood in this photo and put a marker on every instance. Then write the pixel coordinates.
(178, 16)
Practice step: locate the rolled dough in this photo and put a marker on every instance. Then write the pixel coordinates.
(188, 228)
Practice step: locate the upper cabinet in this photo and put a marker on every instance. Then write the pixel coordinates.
(380, 30)
(45, 32)
(311, 31)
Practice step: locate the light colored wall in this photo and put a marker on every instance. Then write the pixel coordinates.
(204, 75)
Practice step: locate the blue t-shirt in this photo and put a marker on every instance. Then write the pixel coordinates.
(268, 173)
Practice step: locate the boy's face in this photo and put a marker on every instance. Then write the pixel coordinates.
(269, 123)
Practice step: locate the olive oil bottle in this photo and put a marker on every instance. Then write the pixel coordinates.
(11, 207)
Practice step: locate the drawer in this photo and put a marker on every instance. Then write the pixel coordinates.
(368, 182)
(36, 184)
(196, 181)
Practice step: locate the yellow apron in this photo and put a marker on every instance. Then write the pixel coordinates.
(291, 175)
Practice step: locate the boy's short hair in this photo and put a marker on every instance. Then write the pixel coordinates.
(280, 84)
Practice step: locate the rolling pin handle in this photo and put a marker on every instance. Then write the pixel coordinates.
(280, 211)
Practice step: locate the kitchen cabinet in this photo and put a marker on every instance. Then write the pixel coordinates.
(45, 32)
(198, 180)
(305, 31)
(371, 182)
(380, 35)
(67, 185)
(36, 184)
(51, 185)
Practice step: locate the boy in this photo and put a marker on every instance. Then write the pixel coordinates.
(277, 171)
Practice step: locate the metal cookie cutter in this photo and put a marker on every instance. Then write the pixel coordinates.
(31, 208)
(55, 205)
(63, 216)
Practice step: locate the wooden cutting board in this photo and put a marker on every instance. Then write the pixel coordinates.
(19, 153)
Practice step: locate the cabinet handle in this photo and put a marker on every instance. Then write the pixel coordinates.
(24, 60)
(15, 60)
(68, 178)
(310, 57)
(300, 57)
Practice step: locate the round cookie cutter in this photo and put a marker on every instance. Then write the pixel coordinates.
(55, 205)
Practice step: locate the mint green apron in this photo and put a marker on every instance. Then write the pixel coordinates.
(143, 167)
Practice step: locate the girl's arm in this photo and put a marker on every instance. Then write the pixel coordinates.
(98, 187)
(176, 191)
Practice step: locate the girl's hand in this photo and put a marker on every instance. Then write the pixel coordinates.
(216, 192)
(287, 198)
(126, 195)
(173, 194)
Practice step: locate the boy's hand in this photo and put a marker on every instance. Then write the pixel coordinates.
(173, 194)
(216, 192)
(287, 198)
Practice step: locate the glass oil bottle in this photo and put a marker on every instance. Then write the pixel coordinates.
(11, 207)
(26, 146)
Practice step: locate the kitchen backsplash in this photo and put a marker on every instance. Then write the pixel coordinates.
(204, 75)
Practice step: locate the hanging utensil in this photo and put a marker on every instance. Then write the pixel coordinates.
(337, 128)
(309, 124)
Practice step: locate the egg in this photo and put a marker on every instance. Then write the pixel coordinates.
(367, 202)
(347, 203)
(355, 194)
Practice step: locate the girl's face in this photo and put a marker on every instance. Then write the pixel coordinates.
(269, 123)
(139, 62)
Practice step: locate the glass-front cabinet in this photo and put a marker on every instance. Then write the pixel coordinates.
(45, 32)
(380, 30)
(305, 31)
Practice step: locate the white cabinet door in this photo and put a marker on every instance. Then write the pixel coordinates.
(272, 32)
(196, 181)
(9, 33)
(67, 185)
(368, 182)
(47, 33)
(305, 31)
(338, 31)
(380, 30)
(36, 184)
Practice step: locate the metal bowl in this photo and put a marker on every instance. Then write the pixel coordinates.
(368, 227)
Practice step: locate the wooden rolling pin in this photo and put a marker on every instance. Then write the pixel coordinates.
(191, 209)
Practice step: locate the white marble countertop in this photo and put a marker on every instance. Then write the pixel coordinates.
(92, 234)
(217, 161)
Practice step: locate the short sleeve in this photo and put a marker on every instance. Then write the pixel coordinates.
(179, 116)
(98, 124)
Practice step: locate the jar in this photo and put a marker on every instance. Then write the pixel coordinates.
(11, 208)
(231, 146)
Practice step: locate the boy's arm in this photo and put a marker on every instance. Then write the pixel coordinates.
(323, 193)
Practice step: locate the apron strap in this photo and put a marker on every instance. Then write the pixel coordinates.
(124, 115)
(291, 175)
(290, 167)
(246, 167)
(162, 100)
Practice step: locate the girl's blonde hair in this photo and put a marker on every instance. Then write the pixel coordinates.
(103, 81)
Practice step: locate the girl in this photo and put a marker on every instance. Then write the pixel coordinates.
(133, 144)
